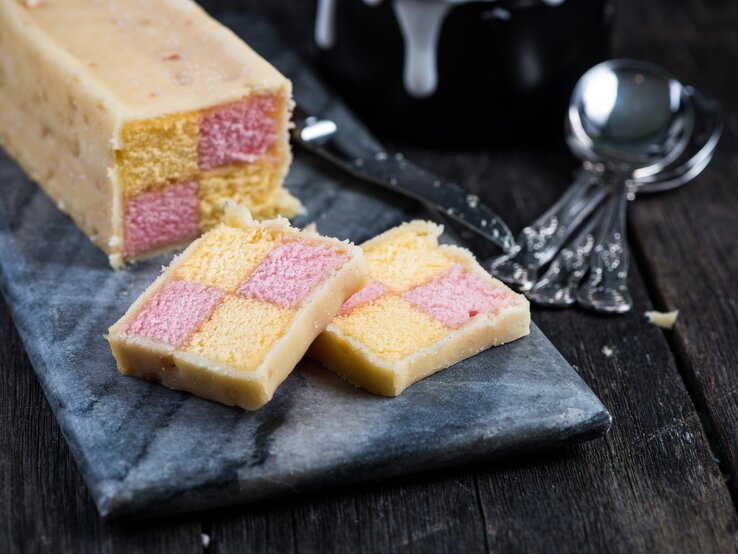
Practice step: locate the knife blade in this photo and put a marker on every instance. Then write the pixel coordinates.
(369, 162)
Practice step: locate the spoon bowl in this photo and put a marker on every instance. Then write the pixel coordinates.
(628, 115)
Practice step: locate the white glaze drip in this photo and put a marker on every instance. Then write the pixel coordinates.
(420, 23)
(325, 24)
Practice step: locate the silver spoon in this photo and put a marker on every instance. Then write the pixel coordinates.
(613, 127)
(627, 115)
(559, 285)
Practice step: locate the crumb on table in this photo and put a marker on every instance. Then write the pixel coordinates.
(665, 320)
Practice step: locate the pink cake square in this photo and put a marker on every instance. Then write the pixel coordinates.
(174, 313)
(367, 295)
(456, 296)
(162, 217)
(237, 133)
(290, 272)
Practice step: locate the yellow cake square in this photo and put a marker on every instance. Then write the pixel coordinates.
(240, 332)
(154, 153)
(408, 259)
(255, 185)
(226, 255)
(391, 328)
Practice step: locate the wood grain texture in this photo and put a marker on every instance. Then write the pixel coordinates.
(652, 485)
(687, 241)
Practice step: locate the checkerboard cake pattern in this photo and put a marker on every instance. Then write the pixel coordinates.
(178, 171)
(231, 317)
(427, 307)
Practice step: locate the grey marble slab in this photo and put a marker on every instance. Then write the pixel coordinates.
(145, 449)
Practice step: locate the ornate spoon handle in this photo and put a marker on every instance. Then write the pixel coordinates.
(558, 286)
(540, 241)
(606, 290)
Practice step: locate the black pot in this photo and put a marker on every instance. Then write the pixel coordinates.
(505, 70)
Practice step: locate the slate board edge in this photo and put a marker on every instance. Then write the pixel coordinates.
(114, 502)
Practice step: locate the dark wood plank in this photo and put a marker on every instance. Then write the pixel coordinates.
(654, 486)
(687, 240)
(44, 506)
(413, 513)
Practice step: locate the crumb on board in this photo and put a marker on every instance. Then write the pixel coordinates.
(607, 350)
(205, 540)
(665, 320)
(33, 3)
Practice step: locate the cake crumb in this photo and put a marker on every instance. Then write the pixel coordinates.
(665, 320)
(116, 260)
(205, 540)
(607, 350)
(311, 227)
(33, 3)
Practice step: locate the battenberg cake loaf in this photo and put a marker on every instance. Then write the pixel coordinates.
(427, 307)
(234, 313)
(140, 119)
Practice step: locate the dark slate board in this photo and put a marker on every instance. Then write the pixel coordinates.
(144, 449)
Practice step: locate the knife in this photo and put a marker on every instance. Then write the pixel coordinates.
(369, 162)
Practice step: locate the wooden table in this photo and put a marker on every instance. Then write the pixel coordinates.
(664, 479)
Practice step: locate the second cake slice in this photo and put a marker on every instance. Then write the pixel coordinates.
(427, 307)
(232, 316)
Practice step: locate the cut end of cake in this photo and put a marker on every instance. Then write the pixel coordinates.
(238, 133)
(178, 172)
(159, 218)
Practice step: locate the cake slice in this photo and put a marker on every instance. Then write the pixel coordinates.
(234, 313)
(141, 119)
(427, 307)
